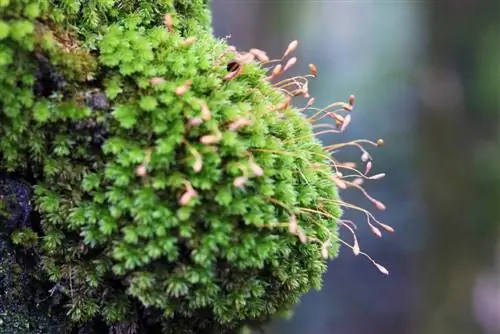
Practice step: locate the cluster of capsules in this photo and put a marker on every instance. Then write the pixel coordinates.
(344, 174)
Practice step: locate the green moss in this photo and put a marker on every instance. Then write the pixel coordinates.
(24, 307)
(111, 183)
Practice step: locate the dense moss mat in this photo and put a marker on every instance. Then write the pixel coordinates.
(129, 199)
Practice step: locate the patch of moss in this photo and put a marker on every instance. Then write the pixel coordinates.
(24, 307)
(153, 210)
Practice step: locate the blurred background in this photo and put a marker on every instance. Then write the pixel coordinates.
(426, 75)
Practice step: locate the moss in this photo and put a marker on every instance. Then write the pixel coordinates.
(24, 305)
(153, 208)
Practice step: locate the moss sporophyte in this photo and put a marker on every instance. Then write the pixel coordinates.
(156, 179)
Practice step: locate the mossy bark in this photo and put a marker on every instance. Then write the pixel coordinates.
(461, 120)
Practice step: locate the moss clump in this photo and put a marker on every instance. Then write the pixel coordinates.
(25, 306)
(164, 188)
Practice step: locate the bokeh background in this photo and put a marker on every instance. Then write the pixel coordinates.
(426, 75)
